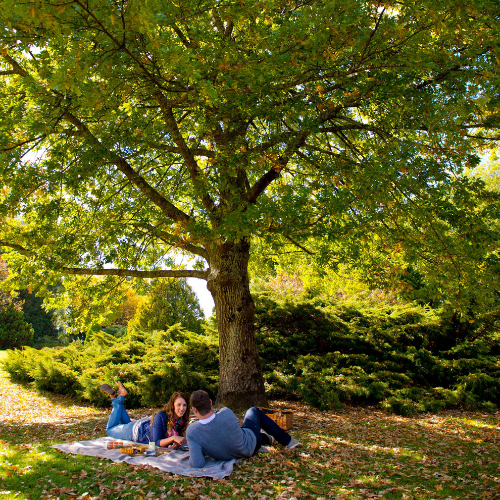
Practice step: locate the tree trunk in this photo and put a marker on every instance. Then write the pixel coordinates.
(240, 384)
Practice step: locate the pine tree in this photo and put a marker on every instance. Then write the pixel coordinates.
(14, 331)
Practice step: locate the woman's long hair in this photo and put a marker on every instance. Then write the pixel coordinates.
(169, 410)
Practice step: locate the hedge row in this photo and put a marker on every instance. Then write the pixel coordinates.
(152, 364)
(403, 357)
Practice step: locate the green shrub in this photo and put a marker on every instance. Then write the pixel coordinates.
(379, 353)
(399, 405)
(151, 364)
(52, 376)
(322, 352)
(20, 364)
(482, 385)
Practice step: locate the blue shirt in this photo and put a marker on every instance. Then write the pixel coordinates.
(155, 432)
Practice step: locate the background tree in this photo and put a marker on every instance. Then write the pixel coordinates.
(129, 307)
(34, 313)
(136, 128)
(14, 331)
(5, 297)
(169, 301)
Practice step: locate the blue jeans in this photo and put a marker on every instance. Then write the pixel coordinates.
(119, 423)
(255, 420)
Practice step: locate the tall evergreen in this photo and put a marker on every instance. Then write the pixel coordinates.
(41, 320)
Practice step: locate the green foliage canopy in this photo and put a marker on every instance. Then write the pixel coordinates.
(156, 124)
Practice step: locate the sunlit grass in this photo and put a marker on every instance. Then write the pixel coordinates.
(480, 423)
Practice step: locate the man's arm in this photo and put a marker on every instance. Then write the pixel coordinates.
(196, 455)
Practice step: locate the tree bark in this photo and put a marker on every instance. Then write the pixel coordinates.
(241, 384)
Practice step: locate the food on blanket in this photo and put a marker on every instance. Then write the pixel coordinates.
(134, 449)
(114, 444)
(131, 451)
(127, 451)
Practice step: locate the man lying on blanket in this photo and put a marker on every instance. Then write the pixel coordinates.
(220, 436)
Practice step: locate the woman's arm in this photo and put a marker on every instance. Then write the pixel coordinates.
(178, 440)
(159, 429)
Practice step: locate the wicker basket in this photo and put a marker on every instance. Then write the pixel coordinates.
(282, 417)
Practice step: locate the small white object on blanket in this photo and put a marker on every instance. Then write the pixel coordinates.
(176, 461)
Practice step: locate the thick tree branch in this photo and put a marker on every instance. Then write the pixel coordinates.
(152, 194)
(173, 240)
(298, 245)
(14, 246)
(181, 36)
(160, 273)
(273, 173)
(72, 133)
(18, 70)
(186, 153)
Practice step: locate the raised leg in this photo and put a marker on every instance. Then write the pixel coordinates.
(118, 414)
(119, 423)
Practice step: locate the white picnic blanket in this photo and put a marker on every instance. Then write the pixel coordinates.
(176, 461)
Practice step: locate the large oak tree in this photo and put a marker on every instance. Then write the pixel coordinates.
(131, 129)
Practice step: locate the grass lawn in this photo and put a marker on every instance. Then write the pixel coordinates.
(353, 453)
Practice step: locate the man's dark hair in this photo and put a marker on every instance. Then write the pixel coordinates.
(201, 401)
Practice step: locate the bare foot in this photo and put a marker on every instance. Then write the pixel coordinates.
(121, 390)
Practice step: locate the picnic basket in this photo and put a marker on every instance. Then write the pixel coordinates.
(282, 417)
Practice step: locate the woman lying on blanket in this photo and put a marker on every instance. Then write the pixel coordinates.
(166, 427)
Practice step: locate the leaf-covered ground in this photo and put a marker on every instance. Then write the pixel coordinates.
(353, 453)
